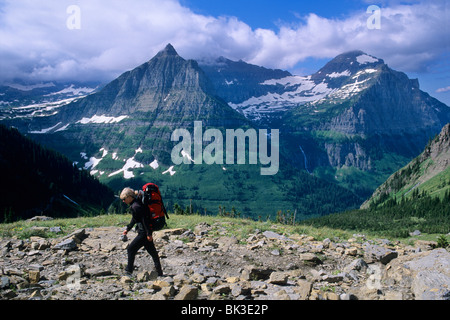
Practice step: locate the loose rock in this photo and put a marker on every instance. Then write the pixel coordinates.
(206, 263)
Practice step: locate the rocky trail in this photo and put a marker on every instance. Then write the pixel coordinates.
(208, 264)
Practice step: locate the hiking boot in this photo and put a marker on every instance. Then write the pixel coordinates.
(159, 270)
(128, 273)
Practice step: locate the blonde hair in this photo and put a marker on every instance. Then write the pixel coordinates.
(127, 192)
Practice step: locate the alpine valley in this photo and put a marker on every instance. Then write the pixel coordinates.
(343, 131)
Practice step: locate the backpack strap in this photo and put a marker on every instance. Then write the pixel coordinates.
(164, 210)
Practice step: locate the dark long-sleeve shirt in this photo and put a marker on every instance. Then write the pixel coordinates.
(140, 217)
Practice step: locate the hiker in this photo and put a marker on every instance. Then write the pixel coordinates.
(140, 217)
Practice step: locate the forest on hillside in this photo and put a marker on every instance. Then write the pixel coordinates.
(39, 181)
(395, 218)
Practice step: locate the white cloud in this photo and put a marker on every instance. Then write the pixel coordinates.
(446, 89)
(116, 36)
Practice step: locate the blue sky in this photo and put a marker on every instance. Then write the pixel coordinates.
(36, 43)
(269, 14)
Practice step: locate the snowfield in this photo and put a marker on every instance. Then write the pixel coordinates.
(299, 90)
(101, 119)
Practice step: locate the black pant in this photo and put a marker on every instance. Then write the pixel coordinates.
(139, 242)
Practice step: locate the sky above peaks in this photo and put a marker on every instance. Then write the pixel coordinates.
(82, 40)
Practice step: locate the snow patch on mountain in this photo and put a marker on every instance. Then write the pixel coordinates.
(364, 58)
(126, 170)
(358, 82)
(92, 163)
(154, 164)
(63, 128)
(72, 90)
(345, 73)
(102, 119)
(186, 155)
(170, 171)
(130, 163)
(47, 130)
(39, 110)
(297, 90)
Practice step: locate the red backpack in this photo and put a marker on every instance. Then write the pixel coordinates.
(152, 198)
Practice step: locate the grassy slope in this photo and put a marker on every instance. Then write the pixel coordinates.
(237, 227)
(424, 180)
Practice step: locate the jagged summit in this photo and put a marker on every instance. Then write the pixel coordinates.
(169, 50)
(168, 87)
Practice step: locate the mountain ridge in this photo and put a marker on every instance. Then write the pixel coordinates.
(331, 133)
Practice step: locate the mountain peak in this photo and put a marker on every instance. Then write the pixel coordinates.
(346, 64)
(356, 58)
(169, 50)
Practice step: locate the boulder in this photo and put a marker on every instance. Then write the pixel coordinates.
(279, 278)
(374, 253)
(165, 233)
(34, 276)
(303, 289)
(202, 229)
(97, 272)
(187, 292)
(310, 258)
(67, 244)
(275, 236)
(222, 289)
(78, 235)
(426, 273)
(254, 273)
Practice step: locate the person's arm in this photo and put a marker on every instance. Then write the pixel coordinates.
(130, 225)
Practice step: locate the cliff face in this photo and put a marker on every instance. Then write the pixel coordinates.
(439, 150)
(349, 155)
(393, 105)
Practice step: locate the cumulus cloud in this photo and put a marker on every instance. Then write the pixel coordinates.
(446, 89)
(115, 36)
(410, 37)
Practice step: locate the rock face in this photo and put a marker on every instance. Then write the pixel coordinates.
(348, 154)
(206, 263)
